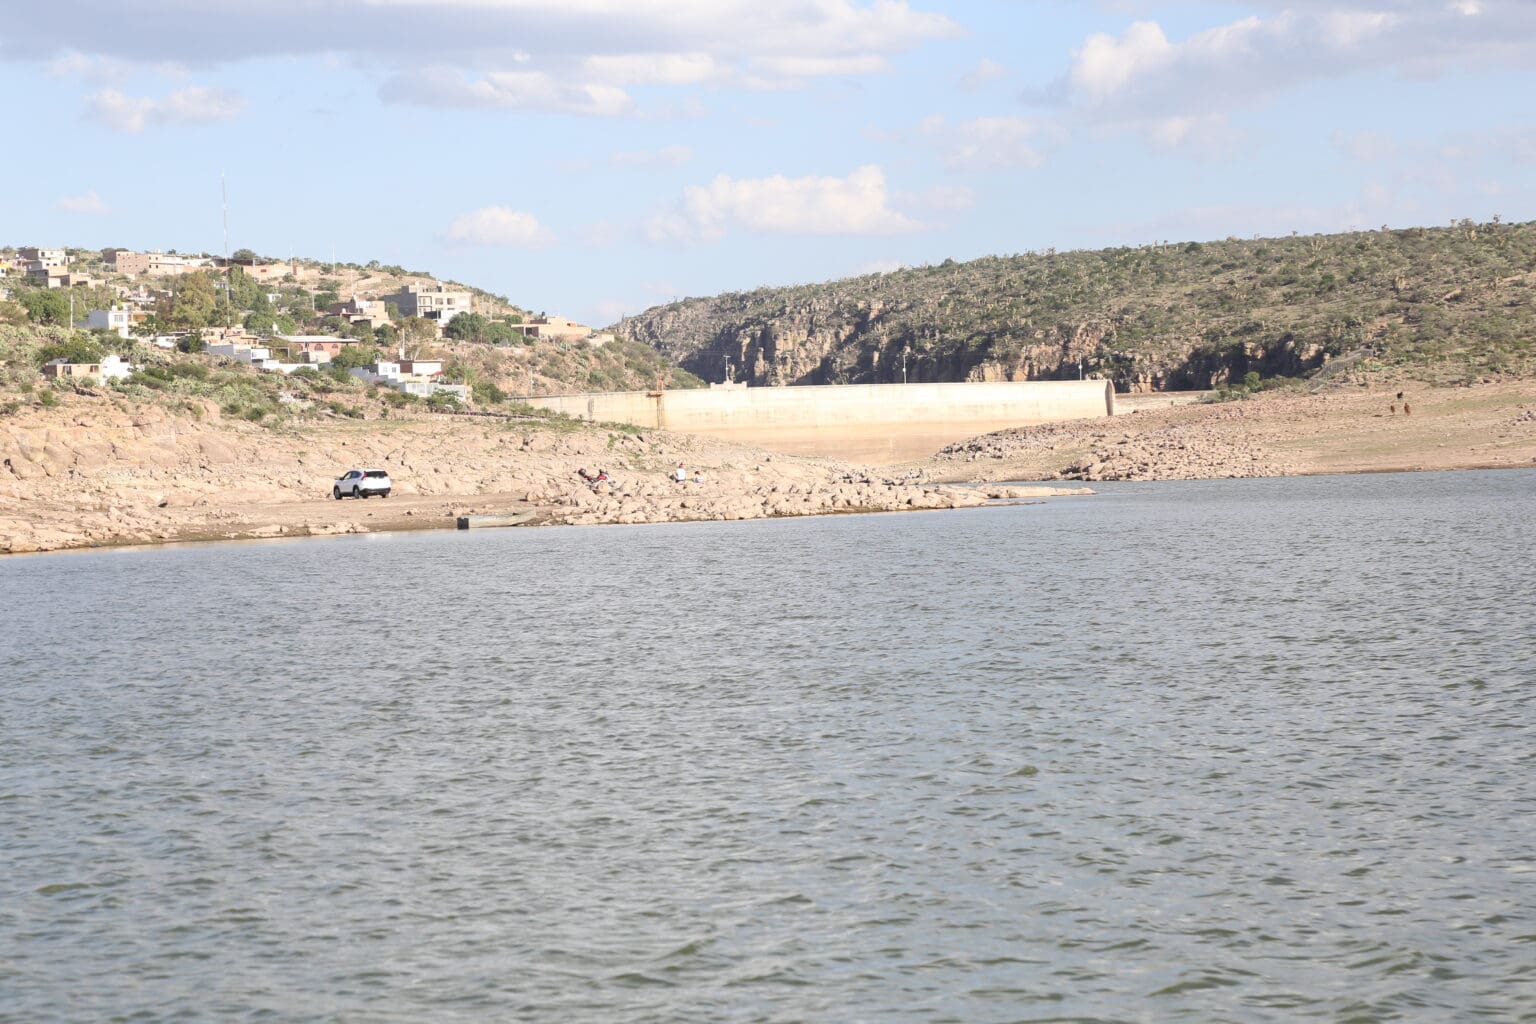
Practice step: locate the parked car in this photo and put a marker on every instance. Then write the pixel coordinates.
(361, 483)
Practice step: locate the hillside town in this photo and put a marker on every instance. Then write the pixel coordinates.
(381, 325)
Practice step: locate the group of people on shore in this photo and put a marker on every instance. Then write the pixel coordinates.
(680, 474)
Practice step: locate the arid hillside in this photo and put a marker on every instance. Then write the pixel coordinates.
(1449, 304)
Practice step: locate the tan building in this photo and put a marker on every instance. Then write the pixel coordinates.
(553, 328)
(45, 257)
(371, 312)
(124, 262)
(311, 348)
(431, 302)
(47, 277)
(63, 369)
(163, 263)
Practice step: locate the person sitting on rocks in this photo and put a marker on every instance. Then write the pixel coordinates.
(698, 476)
(680, 474)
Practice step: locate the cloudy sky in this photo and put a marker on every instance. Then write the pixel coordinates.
(595, 157)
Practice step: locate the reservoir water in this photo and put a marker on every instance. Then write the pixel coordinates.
(1258, 750)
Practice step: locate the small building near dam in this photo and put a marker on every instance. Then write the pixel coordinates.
(867, 422)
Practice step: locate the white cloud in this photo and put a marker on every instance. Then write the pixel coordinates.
(988, 143)
(104, 70)
(512, 90)
(193, 105)
(89, 203)
(1141, 74)
(576, 48)
(653, 68)
(119, 112)
(199, 105)
(794, 67)
(983, 74)
(1205, 134)
(855, 205)
(497, 225)
(666, 156)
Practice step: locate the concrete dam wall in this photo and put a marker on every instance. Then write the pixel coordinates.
(872, 422)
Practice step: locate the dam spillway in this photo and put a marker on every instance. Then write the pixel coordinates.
(867, 422)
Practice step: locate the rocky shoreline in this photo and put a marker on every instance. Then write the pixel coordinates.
(1347, 430)
(102, 471)
(96, 474)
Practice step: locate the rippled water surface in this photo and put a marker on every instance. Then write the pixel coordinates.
(1228, 751)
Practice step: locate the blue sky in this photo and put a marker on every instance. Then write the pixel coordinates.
(595, 157)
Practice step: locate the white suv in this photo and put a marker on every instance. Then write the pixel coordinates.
(361, 483)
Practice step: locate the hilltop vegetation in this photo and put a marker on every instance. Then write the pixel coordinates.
(1445, 304)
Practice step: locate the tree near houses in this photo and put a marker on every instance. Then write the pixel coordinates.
(194, 302)
(467, 327)
(415, 328)
(47, 307)
(150, 327)
(354, 355)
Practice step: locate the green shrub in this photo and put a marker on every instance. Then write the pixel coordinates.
(486, 392)
(76, 350)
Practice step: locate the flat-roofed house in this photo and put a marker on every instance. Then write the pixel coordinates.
(45, 257)
(432, 302)
(553, 328)
(123, 261)
(118, 321)
(311, 348)
(371, 312)
(63, 369)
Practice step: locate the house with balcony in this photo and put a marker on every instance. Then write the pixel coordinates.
(371, 313)
(436, 302)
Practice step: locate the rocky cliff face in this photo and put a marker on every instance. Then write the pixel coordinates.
(1167, 317)
(804, 347)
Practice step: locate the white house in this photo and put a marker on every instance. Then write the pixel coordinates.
(117, 321)
(252, 355)
(111, 367)
(114, 367)
(412, 377)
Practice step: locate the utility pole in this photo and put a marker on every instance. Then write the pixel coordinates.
(229, 271)
(903, 366)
